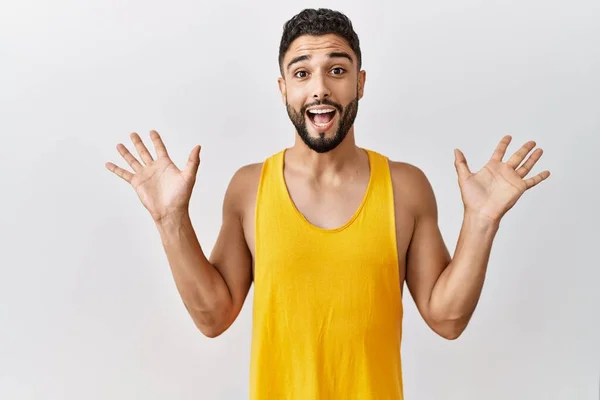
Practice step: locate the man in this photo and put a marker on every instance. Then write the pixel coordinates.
(328, 232)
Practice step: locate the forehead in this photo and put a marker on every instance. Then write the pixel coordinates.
(315, 45)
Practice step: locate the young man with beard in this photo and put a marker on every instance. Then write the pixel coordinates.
(328, 232)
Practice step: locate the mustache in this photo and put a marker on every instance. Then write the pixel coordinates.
(324, 102)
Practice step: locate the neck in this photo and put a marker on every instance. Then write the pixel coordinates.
(345, 155)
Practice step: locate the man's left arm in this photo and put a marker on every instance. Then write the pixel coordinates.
(446, 290)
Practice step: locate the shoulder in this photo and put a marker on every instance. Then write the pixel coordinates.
(406, 173)
(244, 183)
(243, 186)
(412, 187)
(247, 173)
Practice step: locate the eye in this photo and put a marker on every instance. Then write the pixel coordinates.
(339, 69)
(300, 72)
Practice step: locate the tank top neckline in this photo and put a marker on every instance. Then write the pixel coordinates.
(303, 219)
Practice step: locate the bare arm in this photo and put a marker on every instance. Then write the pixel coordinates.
(214, 290)
(446, 290)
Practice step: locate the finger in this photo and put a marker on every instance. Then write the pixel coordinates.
(141, 148)
(159, 146)
(531, 182)
(131, 160)
(530, 163)
(501, 148)
(520, 155)
(460, 163)
(191, 168)
(120, 172)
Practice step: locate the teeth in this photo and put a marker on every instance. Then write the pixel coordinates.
(320, 111)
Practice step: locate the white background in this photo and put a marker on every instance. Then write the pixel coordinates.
(88, 307)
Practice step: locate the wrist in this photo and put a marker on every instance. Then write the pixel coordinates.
(481, 221)
(172, 219)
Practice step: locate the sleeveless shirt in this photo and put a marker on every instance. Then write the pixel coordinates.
(327, 310)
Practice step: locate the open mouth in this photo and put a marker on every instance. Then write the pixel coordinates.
(321, 119)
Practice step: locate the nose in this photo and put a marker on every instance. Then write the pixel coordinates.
(320, 89)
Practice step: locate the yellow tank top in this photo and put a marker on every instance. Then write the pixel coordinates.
(327, 311)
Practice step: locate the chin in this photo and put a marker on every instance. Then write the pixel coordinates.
(322, 134)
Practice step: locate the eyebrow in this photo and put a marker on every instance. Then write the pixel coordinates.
(341, 54)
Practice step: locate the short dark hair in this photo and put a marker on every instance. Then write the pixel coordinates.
(318, 22)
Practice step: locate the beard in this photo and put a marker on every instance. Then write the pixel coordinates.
(324, 144)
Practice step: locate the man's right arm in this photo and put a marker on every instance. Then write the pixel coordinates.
(213, 291)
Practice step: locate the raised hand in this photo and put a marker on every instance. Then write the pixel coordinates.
(160, 185)
(495, 189)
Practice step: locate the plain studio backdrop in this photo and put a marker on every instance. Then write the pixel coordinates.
(89, 309)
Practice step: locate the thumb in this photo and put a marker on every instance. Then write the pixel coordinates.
(460, 163)
(191, 168)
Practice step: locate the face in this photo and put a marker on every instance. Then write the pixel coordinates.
(321, 72)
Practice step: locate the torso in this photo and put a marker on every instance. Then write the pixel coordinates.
(333, 207)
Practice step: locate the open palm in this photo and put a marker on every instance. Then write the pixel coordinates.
(495, 189)
(160, 185)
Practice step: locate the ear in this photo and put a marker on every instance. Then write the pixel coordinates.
(362, 77)
(282, 88)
